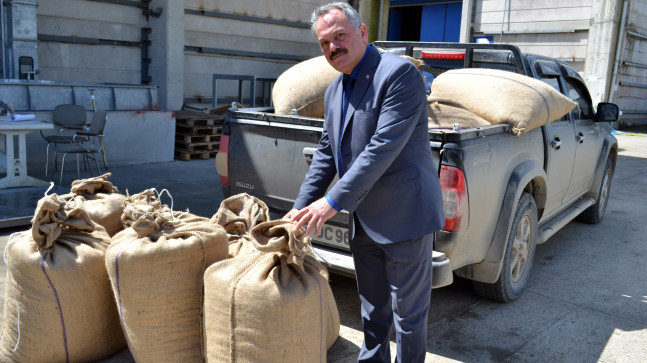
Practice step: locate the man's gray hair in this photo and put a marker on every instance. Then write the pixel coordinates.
(350, 13)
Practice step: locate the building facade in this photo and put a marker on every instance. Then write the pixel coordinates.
(178, 45)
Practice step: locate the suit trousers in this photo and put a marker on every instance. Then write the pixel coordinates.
(394, 285)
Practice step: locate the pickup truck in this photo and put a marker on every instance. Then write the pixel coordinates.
(503, 193)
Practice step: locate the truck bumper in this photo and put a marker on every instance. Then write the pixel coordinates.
(342, 263)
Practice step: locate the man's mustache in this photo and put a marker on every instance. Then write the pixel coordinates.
(337, 52)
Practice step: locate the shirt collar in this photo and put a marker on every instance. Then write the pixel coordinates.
(355, 71)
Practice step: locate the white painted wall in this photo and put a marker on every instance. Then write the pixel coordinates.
(68, 62)
(239, 35)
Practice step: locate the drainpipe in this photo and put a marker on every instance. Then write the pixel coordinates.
(380, 22)
(619, 49)
(2, 33)
(505, 8)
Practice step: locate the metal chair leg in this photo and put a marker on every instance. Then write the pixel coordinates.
(46, 158)
(103, 152)
(60, 181)
(95, 163)
(78, 169)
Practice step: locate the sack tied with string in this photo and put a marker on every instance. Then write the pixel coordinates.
(502, 97)
(101, 200)
(238, 214)
(156, 266)
(58, 300)
(274, 305)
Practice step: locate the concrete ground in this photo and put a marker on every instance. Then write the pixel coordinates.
(586, 300)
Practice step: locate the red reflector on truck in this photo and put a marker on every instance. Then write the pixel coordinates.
(222, 160)
(454, 188)
(442, 55)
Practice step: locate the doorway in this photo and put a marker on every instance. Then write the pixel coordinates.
(426, 21)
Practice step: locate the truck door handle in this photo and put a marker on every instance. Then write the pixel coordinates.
(556, 143)
(308, 152)
(580, 137)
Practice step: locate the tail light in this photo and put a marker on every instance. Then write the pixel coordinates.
(442, 55)
(222, 160)
(455, 204)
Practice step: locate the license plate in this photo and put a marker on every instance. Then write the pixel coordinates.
(333, 236)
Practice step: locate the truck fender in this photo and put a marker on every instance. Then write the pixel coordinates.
(609, 150)
(489, 269)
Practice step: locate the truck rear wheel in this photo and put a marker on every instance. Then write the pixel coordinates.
(595, 213)
(519, 254)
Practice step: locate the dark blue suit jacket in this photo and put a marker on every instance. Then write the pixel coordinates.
(390, 180)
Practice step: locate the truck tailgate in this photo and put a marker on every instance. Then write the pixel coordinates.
(269, 158)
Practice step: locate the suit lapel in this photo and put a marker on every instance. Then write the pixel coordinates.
(364, 79)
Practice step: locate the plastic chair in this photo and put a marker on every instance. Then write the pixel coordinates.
(87, 142)
(68, 119)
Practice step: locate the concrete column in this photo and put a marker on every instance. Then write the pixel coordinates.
(375, 14)
(466, 22)
(20, 39)
(601, 50)
(167, 52)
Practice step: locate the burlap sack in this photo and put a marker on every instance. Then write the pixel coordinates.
(156, 267)
(271, 306)
(100, 199)
(302, 87)
(238, 214)
(58, 300)
(443, 113)
(503, 97)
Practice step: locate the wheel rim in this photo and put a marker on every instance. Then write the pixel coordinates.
(604, 193)
(521, 249)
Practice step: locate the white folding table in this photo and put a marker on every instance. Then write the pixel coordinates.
(17, 167)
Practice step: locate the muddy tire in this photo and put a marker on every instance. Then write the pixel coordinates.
(595, 213)
(519, 254)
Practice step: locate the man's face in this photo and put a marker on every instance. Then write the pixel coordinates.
(342, 44)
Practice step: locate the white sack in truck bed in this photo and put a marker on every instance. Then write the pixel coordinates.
(503, 97)
(302, 87)
(444, 113)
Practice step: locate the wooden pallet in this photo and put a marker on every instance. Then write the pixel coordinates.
(197, 134)
(187, 155)
(198, 146)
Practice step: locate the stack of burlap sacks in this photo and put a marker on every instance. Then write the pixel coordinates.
(100, 271)
(470, 97)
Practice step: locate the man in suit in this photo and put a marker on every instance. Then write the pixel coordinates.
(375, 137)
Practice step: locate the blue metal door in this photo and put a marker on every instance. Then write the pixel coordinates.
(427, 21)
(440, 23)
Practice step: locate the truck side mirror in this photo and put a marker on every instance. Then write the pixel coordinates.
(607, 112)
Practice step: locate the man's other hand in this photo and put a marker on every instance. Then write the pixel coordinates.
(315, 215)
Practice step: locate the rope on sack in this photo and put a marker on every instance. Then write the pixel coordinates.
(58, 302)
(159, 197)
(51, 185)
(121, 309)
(183, 213)
(13, 295)
(257, 216)
(320, 257)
